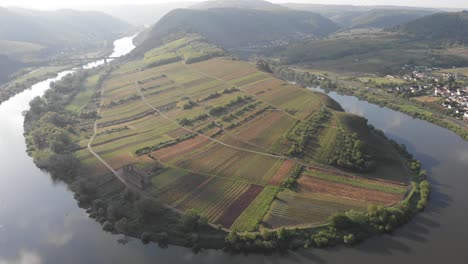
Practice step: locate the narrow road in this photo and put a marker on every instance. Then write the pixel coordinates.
(90, 143)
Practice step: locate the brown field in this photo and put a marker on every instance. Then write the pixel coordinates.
(349, 176)
(281, 173)
(427, 99)
(178, 132)
(310, 184)
(181, 148)
(307, 209)
(239, 205)
(180, 187)
(256, 127)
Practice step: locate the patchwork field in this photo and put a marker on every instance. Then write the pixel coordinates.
(217, 136)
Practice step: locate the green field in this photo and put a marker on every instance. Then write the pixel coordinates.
(252, 217)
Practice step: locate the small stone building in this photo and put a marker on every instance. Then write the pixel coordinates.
(135, 176)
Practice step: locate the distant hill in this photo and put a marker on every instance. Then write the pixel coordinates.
(441, 27)
(349, 16)
(138, 15)
(28, 35)
(7, 67)
(236, 27)
(63, 28)
(384, 18)
(250, 4)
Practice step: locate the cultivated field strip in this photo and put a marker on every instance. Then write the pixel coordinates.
(312, 184)
(291, 209)
(213, 198)
(253, 214)
(230, 215)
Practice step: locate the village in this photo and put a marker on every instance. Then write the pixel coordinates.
(423, 81)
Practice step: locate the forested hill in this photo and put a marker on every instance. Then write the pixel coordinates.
(383, 18)
(7, 67)
(366, 16)
(447, 27)
(236, 27)
(250, 4)
(58, 28)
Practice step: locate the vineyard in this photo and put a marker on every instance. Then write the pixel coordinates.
(214, 135)
(251, 218)
(291, 209)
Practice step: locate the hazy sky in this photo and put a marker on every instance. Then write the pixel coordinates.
(54, 4)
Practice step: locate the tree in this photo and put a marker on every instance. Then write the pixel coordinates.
(340, 221)
(149, 209)
(192, 220)
(349, 239)
(264, 66)
(232, 238)
(282, 234)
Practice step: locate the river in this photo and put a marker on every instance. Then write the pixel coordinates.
(40, 221)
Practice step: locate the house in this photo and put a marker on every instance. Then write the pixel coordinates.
(135, 176)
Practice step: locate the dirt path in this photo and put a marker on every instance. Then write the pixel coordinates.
(114, 172)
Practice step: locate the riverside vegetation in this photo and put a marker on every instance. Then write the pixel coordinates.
(407, 106)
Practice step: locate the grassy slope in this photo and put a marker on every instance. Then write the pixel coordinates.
(382, 52)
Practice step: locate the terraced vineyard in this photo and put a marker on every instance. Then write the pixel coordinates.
(215, 135)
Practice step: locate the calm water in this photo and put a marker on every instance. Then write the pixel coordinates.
(40, 221)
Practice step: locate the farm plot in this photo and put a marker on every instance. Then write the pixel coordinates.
(282, 172)
(264, 87)
(312, 184)
(326, 141)
(214, 198)
(239, 205)
(175, 151)
(225, 69)
(252, 78)
(377, 185)
(252, 216)
(123, 112)
(232, 163)
(267, 130)
(290, 209)
(173, 184)
(153, 126)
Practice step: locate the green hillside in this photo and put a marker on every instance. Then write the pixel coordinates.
(376, 53)
(233, 27)
(63, 28)
(383, 18)
(348, 16)
(250, 4)
(7, 67)
(441, 27)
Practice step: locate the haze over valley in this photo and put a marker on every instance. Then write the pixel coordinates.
(233, 131)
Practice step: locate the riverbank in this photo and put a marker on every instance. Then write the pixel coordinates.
(26, 80)
(407, 106)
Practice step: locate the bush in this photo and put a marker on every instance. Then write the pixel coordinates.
(349, 239)
(192, 221)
